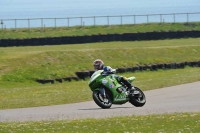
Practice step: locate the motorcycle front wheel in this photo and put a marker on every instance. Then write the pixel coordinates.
(139, 100)
(98, 99)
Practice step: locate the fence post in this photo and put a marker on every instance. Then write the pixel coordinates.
(68, 21)
(147, 18)
(121, 19)
(41, 23)
(28, 24)
(55, 22)
(94, 21)
(81, 22)
(2, 24)
(134, 19)
(187, 18)
(108, 20)
(160, 18)
(15, 24)
(174, 18)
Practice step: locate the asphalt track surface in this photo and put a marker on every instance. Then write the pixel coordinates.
(175, 99)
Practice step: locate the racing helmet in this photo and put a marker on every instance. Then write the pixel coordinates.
(98, 64)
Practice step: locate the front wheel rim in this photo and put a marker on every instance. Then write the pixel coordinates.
(102, 100)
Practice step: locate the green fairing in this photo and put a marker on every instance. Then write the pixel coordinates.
(110, 84)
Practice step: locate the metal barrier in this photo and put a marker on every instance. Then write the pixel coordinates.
(99, 20)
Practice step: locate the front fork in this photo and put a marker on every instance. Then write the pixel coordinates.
(103, 92)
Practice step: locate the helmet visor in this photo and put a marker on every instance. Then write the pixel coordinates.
(96, 67)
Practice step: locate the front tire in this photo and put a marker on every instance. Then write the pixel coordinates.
(98, 99)
(138, 101)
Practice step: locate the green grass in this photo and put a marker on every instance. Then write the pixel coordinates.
(21, 95)
(20, 64)
(90, 30)
(19, 67)
(167, 123)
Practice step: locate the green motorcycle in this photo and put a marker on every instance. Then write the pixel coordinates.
(107, 91)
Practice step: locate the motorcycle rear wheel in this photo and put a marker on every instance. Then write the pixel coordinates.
(138, 101)
(99, 100)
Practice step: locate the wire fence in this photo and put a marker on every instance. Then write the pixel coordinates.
(99, 20)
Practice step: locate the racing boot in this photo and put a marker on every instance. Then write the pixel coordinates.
(131, 89)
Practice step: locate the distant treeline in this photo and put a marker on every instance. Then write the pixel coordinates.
(156, 35)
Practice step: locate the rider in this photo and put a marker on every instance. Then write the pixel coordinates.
(99, 65)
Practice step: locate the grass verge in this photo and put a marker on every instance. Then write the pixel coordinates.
(26, 94)
(19, 64)
(167, 123)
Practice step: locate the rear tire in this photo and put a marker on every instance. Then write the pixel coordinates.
(99, 100)
(138, 101)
